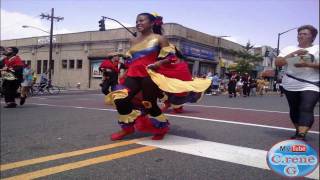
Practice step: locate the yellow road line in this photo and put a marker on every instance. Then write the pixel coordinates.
(80, 164)
(64, 155)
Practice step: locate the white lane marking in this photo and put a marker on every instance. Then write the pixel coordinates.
(240, 123)
(235, 108)
(39, 97)
(186, 117)
(65, 95)
(198, 105)
(219, 151)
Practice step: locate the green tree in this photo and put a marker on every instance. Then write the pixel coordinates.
(247, 60)
(244, 66)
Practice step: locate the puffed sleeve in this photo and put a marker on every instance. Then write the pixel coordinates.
(168, 52)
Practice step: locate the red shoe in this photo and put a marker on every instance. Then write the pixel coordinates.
(165, 106)
(121, 134)
(178, 110)
(158, 137)
(143, 124)
(160, 134)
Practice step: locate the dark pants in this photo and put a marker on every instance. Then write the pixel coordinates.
(111, 80)
(246, 89)
(149, 93)
(10, 90)
(281, 90)
(301, 104)
(232, 89)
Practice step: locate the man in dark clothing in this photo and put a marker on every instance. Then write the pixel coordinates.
(233, 78)
(110, 71)
(2, 56)
(246, 85)
(12, 75)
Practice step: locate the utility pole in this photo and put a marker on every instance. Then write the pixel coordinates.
(51, 18)
(278, 47)
(222, 69)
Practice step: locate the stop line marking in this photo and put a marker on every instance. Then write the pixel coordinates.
(219, 151)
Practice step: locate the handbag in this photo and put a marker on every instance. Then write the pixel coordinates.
(8, 76)
(303, 80)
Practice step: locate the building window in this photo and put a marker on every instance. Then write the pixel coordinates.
(71, 64)
(38, 66)
(45, 66)
(79, 63)
(64, 64)
(27, 62)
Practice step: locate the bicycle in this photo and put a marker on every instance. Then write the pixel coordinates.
(45, 88)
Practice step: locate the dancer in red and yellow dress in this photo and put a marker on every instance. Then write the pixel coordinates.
(177, 70)
(149, 51)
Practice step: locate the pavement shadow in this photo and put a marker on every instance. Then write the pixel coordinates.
(182, 131)
(174, 130)
(312, 139)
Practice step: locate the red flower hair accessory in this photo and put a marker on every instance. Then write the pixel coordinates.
(158, 21)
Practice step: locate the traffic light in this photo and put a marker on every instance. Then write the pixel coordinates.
(102, 26)
(266, 54)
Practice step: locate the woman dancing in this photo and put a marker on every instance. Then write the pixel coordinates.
(149, 50)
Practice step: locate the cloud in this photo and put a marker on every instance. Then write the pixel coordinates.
(113, 25)
(242, 41)
(12, 22)
(236, 39)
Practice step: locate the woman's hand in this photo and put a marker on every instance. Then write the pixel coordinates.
(302, 64)
(154, 66)
(299, 52)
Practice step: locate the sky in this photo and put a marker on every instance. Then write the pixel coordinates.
(257, 21)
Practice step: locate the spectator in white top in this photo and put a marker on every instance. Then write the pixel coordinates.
(301, 79)
(215, 84)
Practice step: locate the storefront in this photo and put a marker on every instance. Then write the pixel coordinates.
(76, 56)
(201, 58)
(95, 75)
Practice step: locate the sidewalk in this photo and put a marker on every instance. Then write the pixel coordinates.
(269, 93)
(76, 90)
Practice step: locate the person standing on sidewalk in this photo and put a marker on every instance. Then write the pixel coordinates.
(301, 79)
(215, 84)
(246, 84)
(232, 84)
(26, 84)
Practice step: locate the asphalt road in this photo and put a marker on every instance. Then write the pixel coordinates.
(198, 145)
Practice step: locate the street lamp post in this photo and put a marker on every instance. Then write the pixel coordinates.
(51, 18)
(132, 33)
(278, 46)
(27, 26)
(279, 34)
(219, 45)
(50, 46)
(220, 54)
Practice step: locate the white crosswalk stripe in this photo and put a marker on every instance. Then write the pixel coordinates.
(219, 151)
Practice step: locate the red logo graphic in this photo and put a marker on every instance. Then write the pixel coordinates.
(298, 148)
